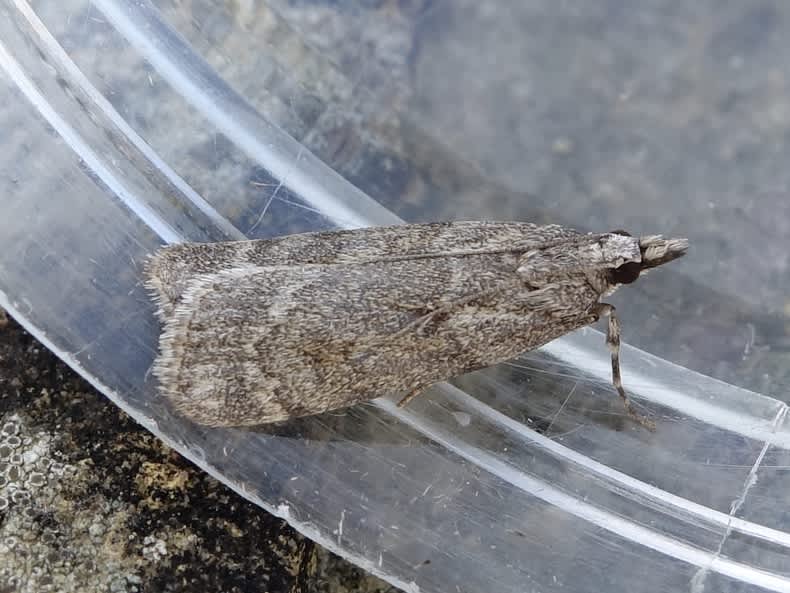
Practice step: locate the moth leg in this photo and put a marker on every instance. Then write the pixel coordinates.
(613, 342)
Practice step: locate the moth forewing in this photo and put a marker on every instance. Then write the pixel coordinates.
(170, 269)
(337, 318)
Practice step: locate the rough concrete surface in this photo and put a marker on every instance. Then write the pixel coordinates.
(92, 502)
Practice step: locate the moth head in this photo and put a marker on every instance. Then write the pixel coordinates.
(655, 251)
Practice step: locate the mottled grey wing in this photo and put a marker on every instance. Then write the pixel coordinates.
(169, 271)
(252, 345)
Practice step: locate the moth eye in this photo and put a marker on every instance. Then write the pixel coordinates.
(621, 232)
(626, 273)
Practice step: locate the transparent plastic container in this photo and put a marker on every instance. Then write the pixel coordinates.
(128, 124)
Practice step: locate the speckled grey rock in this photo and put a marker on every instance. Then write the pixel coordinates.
(89, 501)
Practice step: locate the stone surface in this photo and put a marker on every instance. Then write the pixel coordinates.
(90, 501)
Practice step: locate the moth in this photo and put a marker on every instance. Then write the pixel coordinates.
(267, 330)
